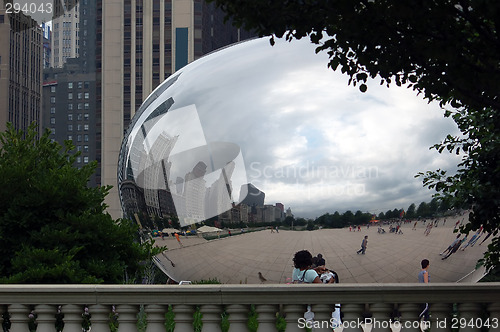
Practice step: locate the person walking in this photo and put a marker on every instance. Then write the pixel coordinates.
(364, 244)
(455, 247)
(472, 241)
(178, 239)
(450, 247)
(424, 278)
(487, 236)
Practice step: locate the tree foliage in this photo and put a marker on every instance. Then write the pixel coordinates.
(53, 227)
(445, 50)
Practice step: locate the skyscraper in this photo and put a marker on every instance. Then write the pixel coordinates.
(65, 35)
(139, 44)
(69, 96)
(20, 70)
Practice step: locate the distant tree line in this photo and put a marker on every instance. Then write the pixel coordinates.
(434, 208)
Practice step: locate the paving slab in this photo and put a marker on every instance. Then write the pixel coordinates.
(389, 257)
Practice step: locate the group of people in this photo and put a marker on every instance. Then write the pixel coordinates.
(459, 244)
(307, 270)
(312, 270)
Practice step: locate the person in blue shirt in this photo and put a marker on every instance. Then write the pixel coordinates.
(303, 271)
(424, 278)
(364, 244)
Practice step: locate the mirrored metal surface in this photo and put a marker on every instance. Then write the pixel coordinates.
(278, 119)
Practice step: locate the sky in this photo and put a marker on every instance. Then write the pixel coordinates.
(307, 138)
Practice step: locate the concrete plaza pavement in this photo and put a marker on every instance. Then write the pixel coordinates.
(390, 258)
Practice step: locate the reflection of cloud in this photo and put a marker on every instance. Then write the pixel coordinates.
(293, 111)
(289, 113)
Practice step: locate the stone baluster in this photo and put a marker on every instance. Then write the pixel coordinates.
(183, 317)
(352, 317)
(18, 317)
(294, 312)
(211, 317)
(46, 317)
(381, 316)
(409, 317)
(155, 317)
(470, 314)
(72, 317)
(127, 317)
(323, 317)
(440, 317)
(238, 317)
(99, 318)
(266, 317)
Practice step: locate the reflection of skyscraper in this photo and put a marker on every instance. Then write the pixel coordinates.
(219, 194)
(253, 195)
(154, 175)
(194, 192)
(179, 185)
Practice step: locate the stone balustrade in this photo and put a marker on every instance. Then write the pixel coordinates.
(453, 307)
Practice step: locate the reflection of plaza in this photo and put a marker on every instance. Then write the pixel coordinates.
(389, 258)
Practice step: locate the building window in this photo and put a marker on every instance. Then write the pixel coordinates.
(86, 127)
(86, 116)
(70, 96)
(79, 127)
(80, 116)
(87, 95)
(80, 85)
(52, 110)
(52, 120)
(52, 100)
(79, 159)
(70, 107)
(53, 88)
(78, 138)
(85, 159)
(70, 117)
(70, 137)
(85, 148)
(80, 95)
(80, 106)
(70, 85)
(181, 49)
(87, 106)
(70, 127)
(53, 130)
(79, 148)
(86, 138)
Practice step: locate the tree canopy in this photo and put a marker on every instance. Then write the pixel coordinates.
(53, 227)
(445, 50)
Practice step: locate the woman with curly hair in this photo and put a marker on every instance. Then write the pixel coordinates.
(303, 271)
